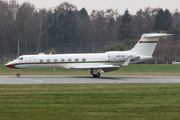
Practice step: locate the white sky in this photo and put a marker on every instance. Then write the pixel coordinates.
(132, 5)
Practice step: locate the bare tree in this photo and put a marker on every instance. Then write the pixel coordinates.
(25, 21)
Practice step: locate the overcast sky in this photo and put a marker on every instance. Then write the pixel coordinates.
(132, 5)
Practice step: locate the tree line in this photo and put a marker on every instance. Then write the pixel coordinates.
(25, 29)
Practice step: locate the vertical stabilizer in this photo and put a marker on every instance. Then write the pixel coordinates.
(146, 45)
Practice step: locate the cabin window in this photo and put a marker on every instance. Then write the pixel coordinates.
(48, 60)
(118, 55)
(76, 59)
(123, 55)
(55, 60)
(62, 60)
(69, 60)
(41, 60)
(83, 59)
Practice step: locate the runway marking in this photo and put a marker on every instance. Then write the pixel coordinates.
(31, 80)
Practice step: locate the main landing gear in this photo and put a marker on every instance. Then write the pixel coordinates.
(18, 74)
(95, 73)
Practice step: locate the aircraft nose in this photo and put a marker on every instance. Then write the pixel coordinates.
(9, 65)
(6, 65)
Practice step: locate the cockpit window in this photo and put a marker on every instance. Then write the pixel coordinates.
(19, 58)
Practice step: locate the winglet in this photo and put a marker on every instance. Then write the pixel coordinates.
(126, 63)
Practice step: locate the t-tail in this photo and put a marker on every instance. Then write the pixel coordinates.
(147, 44)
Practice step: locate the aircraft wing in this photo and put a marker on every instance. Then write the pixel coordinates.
(104, 68)
(109, 69)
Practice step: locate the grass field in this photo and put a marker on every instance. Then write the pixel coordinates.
(90, 102)
(131, 70)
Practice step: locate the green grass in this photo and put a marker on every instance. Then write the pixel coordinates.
(90, 102)
(131, 70)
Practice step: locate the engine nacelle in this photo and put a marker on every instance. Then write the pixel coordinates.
(118, 56)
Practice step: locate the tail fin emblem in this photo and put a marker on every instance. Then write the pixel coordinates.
(148, 41)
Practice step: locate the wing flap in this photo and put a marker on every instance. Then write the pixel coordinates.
(109, 69)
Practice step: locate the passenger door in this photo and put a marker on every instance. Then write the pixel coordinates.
(32, 61)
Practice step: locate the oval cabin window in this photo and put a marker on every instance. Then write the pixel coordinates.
(48, 60)
(76, 59)
(83, 59)
(69, 60)
(55, 60)
(62, 60)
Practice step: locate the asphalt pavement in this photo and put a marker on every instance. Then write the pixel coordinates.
(85, 79)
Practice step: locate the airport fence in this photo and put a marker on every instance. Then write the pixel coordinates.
(6, 58)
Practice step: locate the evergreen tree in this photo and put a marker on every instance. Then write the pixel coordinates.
(168, 20)
(163, 20)
(83, 31)
(159, 20)
(83, 13)
(125, 28)
(47, 25)
(61, 32)
(70, 31)
(53, 32)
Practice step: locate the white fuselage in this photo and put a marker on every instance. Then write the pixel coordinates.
(105, 62)
(70, 61)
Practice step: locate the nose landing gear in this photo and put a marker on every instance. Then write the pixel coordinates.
(18, 74)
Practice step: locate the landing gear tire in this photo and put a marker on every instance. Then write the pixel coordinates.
(18, 74)
(96, 75)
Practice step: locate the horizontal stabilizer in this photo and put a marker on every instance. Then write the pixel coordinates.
(156, 35)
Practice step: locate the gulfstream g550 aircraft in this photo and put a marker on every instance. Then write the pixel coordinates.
(105, 62)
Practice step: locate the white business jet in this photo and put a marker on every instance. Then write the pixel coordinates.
(105, 62)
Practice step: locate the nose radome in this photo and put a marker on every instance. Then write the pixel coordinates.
(9, 65)
(6, 65)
